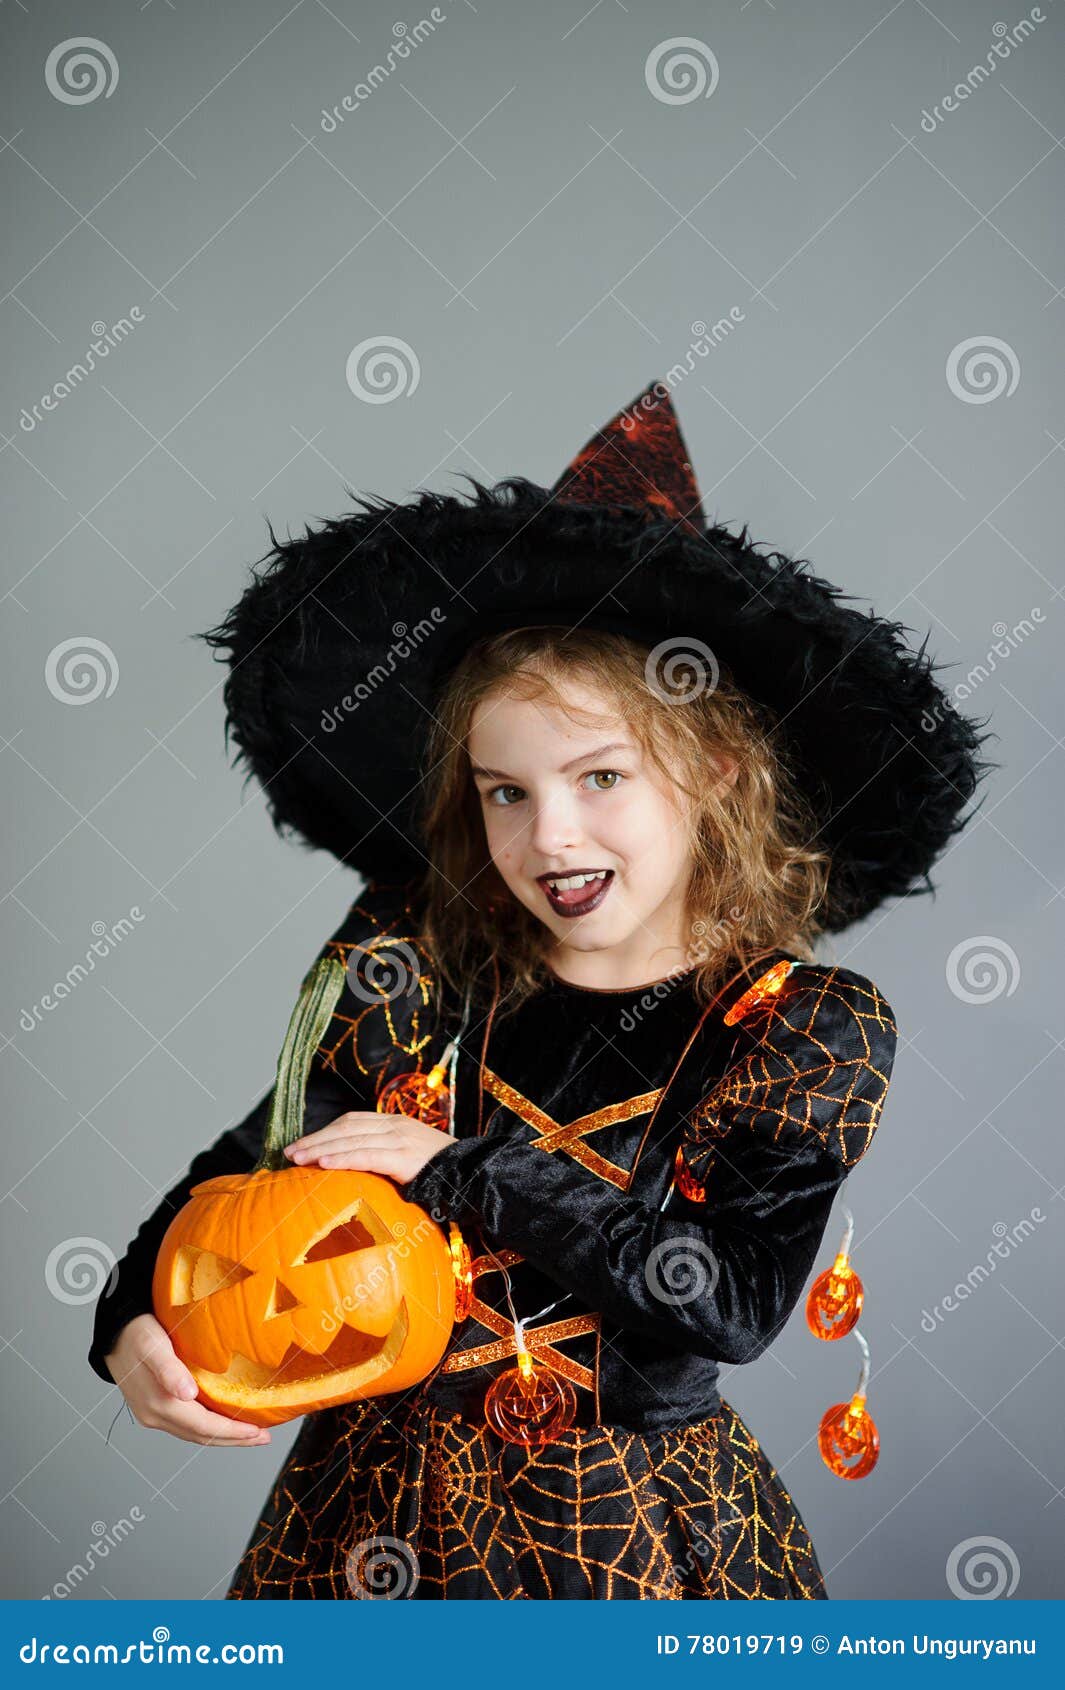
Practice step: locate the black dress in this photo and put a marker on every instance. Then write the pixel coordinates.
(656, 1182)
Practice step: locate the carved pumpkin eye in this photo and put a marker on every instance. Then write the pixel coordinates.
(340, 1240)
(200, 1273)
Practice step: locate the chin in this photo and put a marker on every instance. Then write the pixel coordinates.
(591, 934)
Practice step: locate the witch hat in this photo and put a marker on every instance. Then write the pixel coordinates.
(340, 645)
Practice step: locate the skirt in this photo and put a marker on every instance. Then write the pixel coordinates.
(415, 1503)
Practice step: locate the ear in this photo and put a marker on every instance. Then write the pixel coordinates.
(729, 772)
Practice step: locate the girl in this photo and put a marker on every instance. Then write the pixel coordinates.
(608, 774)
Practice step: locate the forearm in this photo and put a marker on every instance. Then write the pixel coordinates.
(721, 1281)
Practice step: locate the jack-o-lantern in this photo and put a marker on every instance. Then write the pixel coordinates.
(291, 1289)
(848, 1439)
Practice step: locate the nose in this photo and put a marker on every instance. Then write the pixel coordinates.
(555, 826)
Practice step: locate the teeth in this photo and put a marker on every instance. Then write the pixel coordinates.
(575, 880)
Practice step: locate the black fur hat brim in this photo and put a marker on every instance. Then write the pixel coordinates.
(339, 646)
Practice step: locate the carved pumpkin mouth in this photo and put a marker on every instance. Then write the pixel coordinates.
(352, 1359)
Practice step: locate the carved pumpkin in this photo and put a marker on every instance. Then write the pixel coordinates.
(835, 1300)
(530, 1405)
(291, 1289)
(848, 1439)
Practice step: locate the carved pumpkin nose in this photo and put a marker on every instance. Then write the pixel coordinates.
(279, 1300)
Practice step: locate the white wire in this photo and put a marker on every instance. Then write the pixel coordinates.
(863, 1379)
(453, 1052)
(845, 1247)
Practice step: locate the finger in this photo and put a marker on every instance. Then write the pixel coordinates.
(172, 1375)
(176, 1431)
(309, 1150)
(166, 1368)
(339, 1130)
(350, 1147)
(365, 1159)
(353, 1118)
(193, 1419)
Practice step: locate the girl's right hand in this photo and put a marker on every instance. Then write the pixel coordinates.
(161, 1391)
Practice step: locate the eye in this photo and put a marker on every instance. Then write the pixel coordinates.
(199, 1273)
(491, 796)
(342, 1240)
(613, 775)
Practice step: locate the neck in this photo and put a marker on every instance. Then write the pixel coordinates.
(608, 971)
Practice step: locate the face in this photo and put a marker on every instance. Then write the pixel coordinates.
(560, 799)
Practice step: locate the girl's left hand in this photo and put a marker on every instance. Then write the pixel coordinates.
(394, 1145)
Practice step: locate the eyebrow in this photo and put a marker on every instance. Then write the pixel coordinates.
(598, 751)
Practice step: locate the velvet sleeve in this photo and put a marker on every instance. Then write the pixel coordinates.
(331, 1089)
(718, 1269)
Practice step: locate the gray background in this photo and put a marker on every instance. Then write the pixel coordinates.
(543, 232)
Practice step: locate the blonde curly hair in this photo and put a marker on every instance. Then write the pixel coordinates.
(757, 877)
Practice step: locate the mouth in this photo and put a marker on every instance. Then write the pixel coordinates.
(578, 892)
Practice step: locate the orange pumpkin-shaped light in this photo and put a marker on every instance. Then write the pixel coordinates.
(835, 1300)
(530, 1404)
(767, 985)
(422, 1097)
(290, 1289)
(462, 1268)
(848, 1439)
(685, 1181)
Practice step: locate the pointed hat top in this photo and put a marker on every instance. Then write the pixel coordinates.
(638, 458)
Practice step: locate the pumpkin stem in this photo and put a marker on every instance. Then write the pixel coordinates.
(318, 997)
